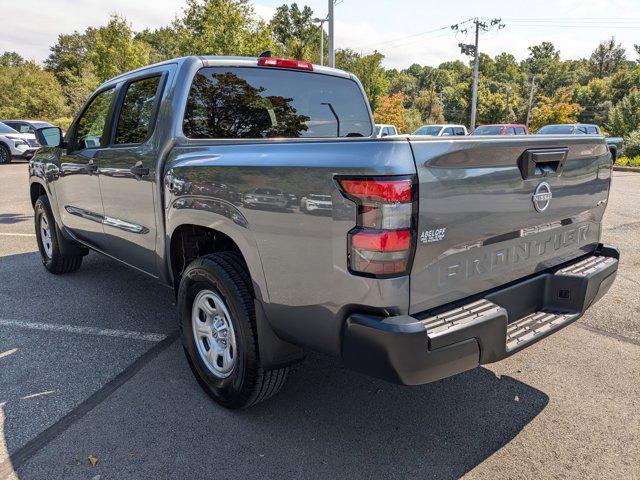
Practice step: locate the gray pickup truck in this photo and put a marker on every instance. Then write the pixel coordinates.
(434, 256)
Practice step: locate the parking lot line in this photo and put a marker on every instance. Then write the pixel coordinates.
(45, 437)
(8, 234)
(104, 332)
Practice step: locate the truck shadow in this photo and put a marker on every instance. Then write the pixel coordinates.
(11, 218)
(328, 422)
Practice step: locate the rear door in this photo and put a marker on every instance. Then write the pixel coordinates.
(127, 173)
(479, 227)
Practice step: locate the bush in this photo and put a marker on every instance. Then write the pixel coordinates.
(629, 161)
(631, 146)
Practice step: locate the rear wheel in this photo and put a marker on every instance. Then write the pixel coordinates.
(5, 154)
(52, 257)
(219, 334)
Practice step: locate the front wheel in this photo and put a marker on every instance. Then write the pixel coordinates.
(50, 253)
(219, 334)
(5, 154)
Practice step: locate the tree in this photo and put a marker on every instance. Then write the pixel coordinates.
(429, 106)
(391, 111)
(222, 27)
(368, 69)
(607, 58)
(295, 33)
(556, 109)
(541, 57)
(624, 118)
(115, 50)
(637, 49)
(164, 43)
(27, 91)
(69, 55)
(11, 59)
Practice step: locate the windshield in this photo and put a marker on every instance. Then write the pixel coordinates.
(239, 102)
(488, 130)
(556, 129)
(431, 130)
(6, 128)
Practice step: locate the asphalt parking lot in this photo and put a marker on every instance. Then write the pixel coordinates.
(93, 384)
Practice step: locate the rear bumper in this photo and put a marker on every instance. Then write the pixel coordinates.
(423, 348)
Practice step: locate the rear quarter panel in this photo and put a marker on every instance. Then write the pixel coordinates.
(298, 260)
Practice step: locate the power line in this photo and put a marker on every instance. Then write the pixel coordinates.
(367, 47)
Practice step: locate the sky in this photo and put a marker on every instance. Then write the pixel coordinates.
(406, 32)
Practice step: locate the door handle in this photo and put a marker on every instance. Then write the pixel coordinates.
(139, 170)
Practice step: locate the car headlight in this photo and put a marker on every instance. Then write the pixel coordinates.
(18, 142)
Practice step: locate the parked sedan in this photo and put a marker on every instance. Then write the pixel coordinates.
(15, 145)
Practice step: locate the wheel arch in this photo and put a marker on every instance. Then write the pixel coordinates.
(191, 239)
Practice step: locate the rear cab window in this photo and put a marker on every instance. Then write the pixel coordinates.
(254, 103)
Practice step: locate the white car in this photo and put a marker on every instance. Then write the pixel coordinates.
(16, 145)
(385, 130)
(444, 130)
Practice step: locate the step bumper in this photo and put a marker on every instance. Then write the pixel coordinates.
(412, 350)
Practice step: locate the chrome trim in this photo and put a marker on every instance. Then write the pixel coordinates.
(108, 221)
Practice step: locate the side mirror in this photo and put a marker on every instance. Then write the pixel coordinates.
(50, 137)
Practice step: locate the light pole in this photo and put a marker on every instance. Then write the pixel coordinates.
(332, 52)
(321, 22)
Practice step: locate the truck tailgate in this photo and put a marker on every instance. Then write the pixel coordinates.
(495, 210)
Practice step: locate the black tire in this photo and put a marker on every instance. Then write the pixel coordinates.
(52, 257)
(5, 154)
(248, 383)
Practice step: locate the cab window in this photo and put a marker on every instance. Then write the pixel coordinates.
(92, 124)
(447, 132)
(520, 131)
(510, 131)
(136, 115)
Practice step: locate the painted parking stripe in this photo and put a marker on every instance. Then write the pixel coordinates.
(18, 234)
(103, 332)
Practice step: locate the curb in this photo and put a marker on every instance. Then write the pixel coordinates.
(621, 168)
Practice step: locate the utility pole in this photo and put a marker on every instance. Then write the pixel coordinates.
(481, 25)
(533, 84)
(321, 22)
(332, 52)
(476, 66)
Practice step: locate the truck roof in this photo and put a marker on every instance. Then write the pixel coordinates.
(223, 61)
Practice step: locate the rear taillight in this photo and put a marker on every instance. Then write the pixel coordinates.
(285, 63)
(382, 242)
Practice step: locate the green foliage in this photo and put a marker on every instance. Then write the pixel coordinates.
(629, 161)
(27, 91)
(624, 118)
(115, 50)
(11, 59)
(369, 70)
(221, 27)
(607, 58)
(632, 144)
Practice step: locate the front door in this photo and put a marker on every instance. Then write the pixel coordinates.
(78, 186)
(127, 175)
